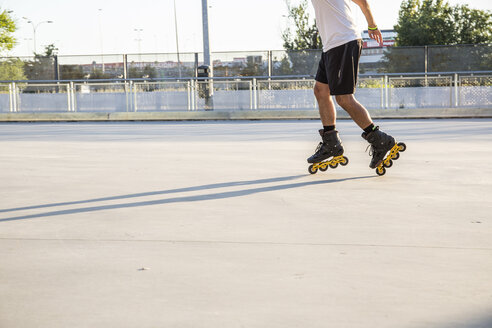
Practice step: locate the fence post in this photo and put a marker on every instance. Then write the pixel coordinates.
(196, 64)
(14, 98)
(188, 90)
(69, 100)
(382, 93)
(456, 91)
(426, 60)
(191, 95)
(56, 68)
(270, 62)
(125, 67)
(251, 95)
(386, 85)
(128, 91)
(255, 94)
(11, 98)
(135, 108)
(72, 96)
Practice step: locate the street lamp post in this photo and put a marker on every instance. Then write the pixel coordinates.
(34, 28)
(139, 40)
(177, 39)
(209, 102)
(101, 38)
(206, 39)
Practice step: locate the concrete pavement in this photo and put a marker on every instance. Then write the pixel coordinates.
(219, 224)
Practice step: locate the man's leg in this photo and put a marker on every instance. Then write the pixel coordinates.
(327, 110)
(343, 64)
(381, 142)
(331, 146)
(357, 112)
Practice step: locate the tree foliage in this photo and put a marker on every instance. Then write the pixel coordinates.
(436, 22)
(254, 67)
(43, 65)
(456, 37)
(7, 29)
(306, 35)
(299, 41)
(12, 70)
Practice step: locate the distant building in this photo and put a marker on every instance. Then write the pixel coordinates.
(373, 52)
(389, 37)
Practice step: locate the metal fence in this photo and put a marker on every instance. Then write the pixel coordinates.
(380, 91)
(426, 59)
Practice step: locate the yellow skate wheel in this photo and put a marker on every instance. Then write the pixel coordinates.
(312, 169)
(345, 161)
(323, 168)
(402, 146)
(381, 171)
(388, 164)
(334, 165)
(397, 155)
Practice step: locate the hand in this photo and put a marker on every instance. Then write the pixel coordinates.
(376, 35)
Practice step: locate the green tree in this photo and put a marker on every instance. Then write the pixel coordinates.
(254, 67)
(306, 35)
(7, 29)
(435, 22)
(98, 74)
(50, 51)
(149, 72)
(71, 72)
(473, 26)
(299, 42)
(284, 67)
(43, 65)
(12, 70)
(445, 29)
(145, 73)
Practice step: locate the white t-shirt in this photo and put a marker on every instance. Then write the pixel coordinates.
(335, 22)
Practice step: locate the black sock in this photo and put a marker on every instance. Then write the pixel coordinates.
(328, 128)
(370, 128)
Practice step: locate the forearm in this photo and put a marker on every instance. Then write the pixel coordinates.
(366, 10)
(373, 31)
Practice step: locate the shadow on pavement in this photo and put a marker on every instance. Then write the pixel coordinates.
(183, 199)
(475, 322)
(154, 193)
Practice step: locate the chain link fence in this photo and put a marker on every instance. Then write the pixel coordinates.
(420, 92)
(474, 88)
(294, 94)
(403, 60)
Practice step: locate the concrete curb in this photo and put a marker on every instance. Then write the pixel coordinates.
(242, 115)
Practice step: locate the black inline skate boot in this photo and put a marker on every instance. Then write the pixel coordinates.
(380, 144)
(331, 146)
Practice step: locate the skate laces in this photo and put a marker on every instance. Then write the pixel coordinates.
(373, 151)
(319, 147)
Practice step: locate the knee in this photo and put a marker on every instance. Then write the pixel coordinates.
(344, 100)
(321, 91)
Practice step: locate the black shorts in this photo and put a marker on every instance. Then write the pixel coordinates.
(339, 67)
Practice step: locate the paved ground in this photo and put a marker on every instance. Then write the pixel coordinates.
(220, 225)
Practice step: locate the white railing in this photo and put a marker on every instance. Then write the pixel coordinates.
(375, 92)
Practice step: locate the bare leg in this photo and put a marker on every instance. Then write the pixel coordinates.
(326, 106)
(357, 112)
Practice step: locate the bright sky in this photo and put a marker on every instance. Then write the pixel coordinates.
(235, 25)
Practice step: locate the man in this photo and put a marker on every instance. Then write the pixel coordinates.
(337, 76)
